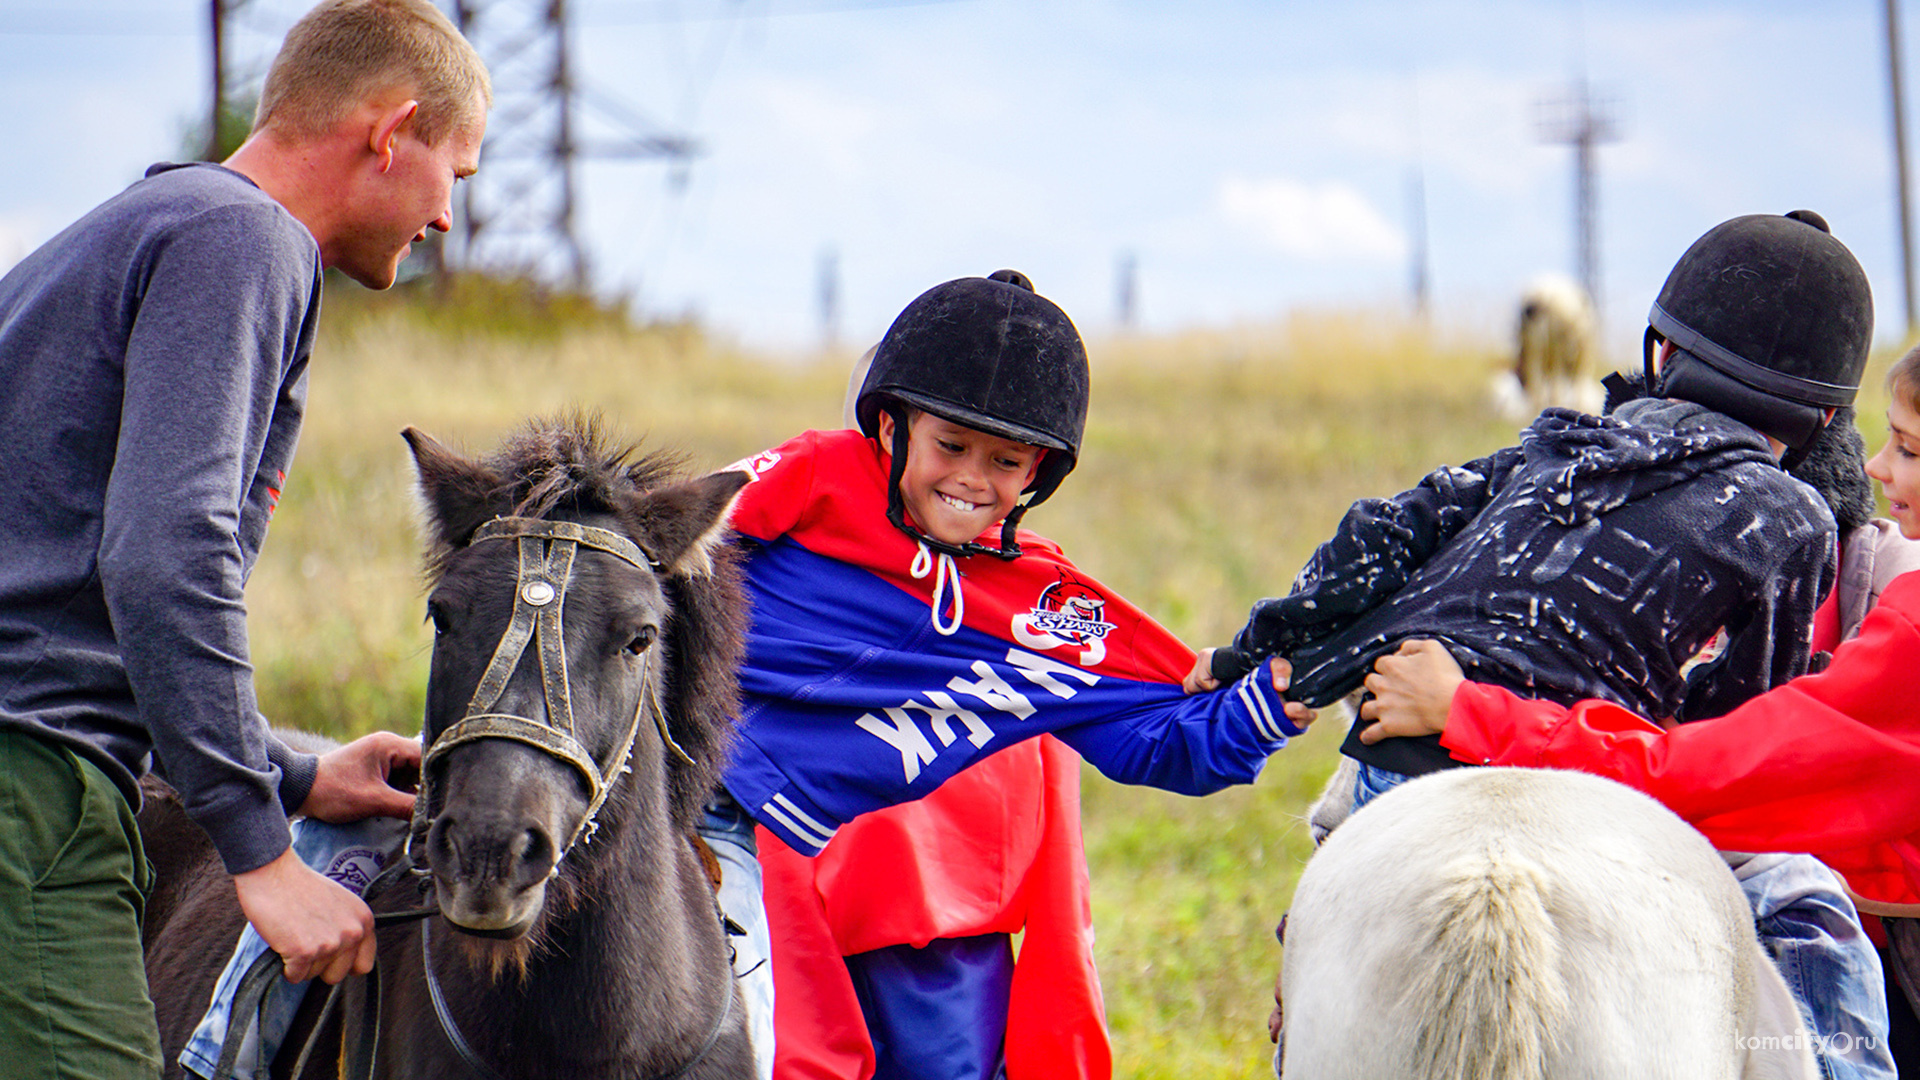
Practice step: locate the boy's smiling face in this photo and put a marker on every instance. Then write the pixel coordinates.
(1897, 465)
(959, 481)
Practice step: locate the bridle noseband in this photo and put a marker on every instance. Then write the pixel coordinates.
(546, 551)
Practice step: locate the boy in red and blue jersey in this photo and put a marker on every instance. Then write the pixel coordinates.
(904, 627)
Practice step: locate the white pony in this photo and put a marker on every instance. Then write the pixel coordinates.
(1556, 351)
(1501, 924)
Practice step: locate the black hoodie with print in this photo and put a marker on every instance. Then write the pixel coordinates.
(1594, 559)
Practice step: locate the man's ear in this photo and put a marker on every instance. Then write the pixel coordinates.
(387, 129)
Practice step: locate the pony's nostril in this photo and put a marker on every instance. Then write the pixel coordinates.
(442, 848)
(536, 847)
(533, 854)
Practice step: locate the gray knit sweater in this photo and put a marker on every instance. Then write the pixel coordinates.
(152, 377)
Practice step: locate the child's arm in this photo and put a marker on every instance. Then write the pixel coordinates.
(1194, 745)
(1377, 548)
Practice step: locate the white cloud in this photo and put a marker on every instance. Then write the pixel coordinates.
(1323, 222)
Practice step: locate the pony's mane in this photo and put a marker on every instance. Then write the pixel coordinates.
(562, 463)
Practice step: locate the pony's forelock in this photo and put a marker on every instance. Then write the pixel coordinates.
(551, 464)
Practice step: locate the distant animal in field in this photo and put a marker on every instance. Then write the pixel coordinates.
(588, 625)
(1556, 351)
(1527, 924)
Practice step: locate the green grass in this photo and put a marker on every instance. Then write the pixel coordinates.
(1213, 464)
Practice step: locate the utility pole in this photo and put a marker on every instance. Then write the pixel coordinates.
(1900, 160)
(827, 273)
(219, 99)
(1417, 249)
(1580, 121)
(1126, 290)
(520, 214)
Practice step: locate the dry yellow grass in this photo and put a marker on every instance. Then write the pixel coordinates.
(1213, 463)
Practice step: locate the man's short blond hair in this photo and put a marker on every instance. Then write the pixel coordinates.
(344, 52)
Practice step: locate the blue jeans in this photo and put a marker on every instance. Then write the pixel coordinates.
(1810, 929)
(727, 830)
(352, 855)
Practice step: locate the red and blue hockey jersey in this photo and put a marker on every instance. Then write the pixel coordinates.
(876, 669)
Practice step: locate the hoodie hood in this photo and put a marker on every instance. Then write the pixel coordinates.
(1835, 464)
(1586, 466)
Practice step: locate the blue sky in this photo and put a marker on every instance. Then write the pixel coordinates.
(1254, 158)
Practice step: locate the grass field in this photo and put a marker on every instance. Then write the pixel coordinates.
(1213, 464)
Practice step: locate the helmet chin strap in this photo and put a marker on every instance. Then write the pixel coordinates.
(1009, 548)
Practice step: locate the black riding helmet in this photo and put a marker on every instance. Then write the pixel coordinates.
(991, 354)
(1771, 319)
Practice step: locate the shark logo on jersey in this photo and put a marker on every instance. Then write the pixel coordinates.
(1069, 613)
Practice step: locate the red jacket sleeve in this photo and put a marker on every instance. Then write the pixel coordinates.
(1826, 763)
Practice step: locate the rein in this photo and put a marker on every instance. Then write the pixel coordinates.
(250, 999)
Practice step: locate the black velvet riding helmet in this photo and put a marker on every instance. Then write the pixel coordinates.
(1771, 319)
(993, 355)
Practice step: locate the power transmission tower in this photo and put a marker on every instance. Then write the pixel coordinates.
(1417, 250)
(1584, 123)
(520, 214)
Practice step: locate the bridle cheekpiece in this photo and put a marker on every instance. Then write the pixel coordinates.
(546, 552)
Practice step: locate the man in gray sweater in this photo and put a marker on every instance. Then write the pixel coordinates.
(152, 378)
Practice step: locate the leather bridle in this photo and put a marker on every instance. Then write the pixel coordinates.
(546, 551)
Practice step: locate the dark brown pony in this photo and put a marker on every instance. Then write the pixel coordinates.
(555, 957)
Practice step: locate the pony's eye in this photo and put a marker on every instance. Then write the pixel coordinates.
(642, 641)
(437, 615)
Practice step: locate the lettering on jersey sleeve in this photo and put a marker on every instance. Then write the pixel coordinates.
(902, 731)
(1041, 671)
(903, 735)
(943, 709)
(993, 690)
